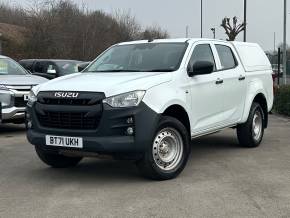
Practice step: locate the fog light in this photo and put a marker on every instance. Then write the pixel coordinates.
(130, 120)
(130, 131)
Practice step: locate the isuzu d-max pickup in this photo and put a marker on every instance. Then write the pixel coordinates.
(145, 100)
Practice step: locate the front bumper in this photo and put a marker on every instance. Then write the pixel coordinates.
(110, 137)
(13, 114)
(14, 111)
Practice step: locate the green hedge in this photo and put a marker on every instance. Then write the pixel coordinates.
(282, 100)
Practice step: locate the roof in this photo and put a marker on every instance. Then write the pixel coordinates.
(54, 60)
(192, 40)
(176, 40)
(244, 43)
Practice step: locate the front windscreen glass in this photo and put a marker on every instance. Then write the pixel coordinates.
(145, 57)
(10, 67)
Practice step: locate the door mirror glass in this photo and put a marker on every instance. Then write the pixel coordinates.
(200, 68)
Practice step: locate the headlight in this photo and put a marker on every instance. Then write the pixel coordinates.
(31, 98)
(5, 98)
(3, 87)
(129, 99)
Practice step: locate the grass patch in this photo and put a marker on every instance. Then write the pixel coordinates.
(282, 100)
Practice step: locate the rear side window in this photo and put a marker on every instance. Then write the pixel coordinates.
(226, 56)
(202, 52)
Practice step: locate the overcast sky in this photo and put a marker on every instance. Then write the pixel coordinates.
(264, 16)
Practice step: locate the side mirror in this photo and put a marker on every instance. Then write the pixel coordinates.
(200, 68)
(53, 71)
(81, 67)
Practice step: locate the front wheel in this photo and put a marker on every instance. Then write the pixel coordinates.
(167, 155)
(250, 134)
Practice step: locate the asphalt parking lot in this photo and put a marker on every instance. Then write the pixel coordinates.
(221, 180)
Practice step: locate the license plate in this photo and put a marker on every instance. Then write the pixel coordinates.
(64, 141)
(25, 97)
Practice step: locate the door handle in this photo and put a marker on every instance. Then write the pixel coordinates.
(242, 78)
(219, 81)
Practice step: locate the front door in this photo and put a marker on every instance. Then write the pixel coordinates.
(206, 93)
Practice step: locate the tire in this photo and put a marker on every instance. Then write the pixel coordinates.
(168, 153)
(250, 134)
(56, 160)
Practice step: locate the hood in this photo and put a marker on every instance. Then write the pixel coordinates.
(21, 80)
(109, 83)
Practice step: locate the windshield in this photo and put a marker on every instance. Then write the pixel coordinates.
(146, 57)
(10, 67)
(68, 67)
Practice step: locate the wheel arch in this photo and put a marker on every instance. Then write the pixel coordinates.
(259, 98)
(178, 112)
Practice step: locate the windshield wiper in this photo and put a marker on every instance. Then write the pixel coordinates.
(159, 70)
(114, 71)
(111, 71)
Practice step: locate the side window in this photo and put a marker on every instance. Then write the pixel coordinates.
(38, 67)
(51, 67)
(226, 56)
(202, 52)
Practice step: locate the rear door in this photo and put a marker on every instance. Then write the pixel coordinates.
(234, 82)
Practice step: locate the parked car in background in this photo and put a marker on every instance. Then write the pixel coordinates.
(51, 68)
(15, 85)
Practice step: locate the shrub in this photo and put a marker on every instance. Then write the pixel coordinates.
(282, 100)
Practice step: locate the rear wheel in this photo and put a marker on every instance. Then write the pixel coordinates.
(167, 155)
(250, 134)
(56, 160)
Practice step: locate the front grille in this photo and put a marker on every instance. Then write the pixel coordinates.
(82, 113)
(19, 102)
(20, 88)
(61, 101)
(68, 120)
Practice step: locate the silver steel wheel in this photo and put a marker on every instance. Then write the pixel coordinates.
(167, 149)
(257, 125)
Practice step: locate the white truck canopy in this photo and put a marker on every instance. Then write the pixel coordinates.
(252, 56)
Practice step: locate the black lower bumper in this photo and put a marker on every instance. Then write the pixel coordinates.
(110, 137)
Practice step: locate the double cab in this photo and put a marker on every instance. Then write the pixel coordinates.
(145, 100)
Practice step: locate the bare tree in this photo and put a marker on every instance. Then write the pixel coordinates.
(154, 32)
(62, 29)
(129, 28)
(232, 30)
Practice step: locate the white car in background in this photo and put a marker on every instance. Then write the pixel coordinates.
(15, 85)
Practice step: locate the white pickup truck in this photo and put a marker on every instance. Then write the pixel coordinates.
(146, 100)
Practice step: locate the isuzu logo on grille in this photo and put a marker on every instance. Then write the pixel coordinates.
(66, 94)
